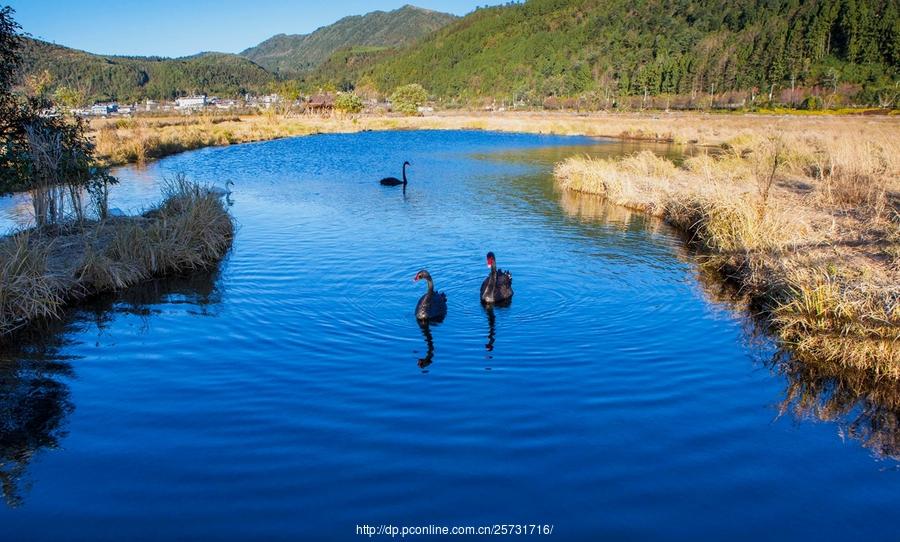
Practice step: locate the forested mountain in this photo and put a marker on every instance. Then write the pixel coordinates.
(294, 54)
(344, 69)
(591, 50)
(570, 47)
(95, 77)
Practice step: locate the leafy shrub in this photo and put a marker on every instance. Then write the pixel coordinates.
(408, 98)
(812, 103)
(348, 102)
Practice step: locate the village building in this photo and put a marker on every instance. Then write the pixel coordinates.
(191, 102)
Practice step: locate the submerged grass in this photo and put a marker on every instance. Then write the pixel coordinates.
(41, 270)
(806, 225)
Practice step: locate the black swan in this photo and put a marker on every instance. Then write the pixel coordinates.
(394, 181)
(432, 306)
(497, 287)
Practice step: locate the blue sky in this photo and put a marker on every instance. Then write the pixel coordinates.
(178, 28)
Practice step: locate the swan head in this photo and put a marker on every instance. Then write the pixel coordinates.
(491, 260)
(406, 164)
(229, 183)
(422, 275)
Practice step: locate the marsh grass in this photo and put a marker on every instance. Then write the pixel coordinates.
(807, 228)
(40, 269)
(28, 287)
(147, 138)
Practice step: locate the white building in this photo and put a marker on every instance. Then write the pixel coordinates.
(104, 109)
(191, 102)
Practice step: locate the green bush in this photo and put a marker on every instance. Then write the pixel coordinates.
(812, 103)
(408, 98)
(347, 102)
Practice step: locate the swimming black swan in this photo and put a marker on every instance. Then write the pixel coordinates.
(497, 287)
(433, 305)
(394, 181)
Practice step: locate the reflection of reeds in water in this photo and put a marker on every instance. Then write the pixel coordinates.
(34, 403)
(597, 208)
(34, 397)
(866, 408)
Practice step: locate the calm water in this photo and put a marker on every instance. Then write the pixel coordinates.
(290, 395)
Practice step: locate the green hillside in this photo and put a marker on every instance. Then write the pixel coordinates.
(97, 77)
(571, 47)
(344, 69)
(290, 55)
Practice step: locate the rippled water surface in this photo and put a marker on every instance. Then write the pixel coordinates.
(290, 394)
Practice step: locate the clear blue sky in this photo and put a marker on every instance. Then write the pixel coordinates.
(178, 28)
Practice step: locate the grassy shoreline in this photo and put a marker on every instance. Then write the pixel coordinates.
(43, 270)
(807, 226)
(142, 139)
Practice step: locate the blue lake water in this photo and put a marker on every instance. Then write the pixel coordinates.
(289, 394)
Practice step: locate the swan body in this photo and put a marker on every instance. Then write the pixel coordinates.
(432, 306)
(216, 190)
(497, 287)
(394, 181)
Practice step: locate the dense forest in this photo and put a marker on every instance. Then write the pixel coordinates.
(98, 78)
(544, 48)
(291, 55)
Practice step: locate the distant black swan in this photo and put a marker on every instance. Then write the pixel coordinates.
(394, 181)
(497, 287)
(433, 305)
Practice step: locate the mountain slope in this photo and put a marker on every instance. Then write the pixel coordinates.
(570, 47)
(97, 77)
(292, 54)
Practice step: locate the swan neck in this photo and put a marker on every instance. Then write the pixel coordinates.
(430, 285)
(404, 173)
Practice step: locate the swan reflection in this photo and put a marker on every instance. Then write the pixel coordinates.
(492, 329)
(425, 327)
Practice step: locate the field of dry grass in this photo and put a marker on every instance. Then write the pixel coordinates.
(43, 269)
(137, 140)
(806, 222)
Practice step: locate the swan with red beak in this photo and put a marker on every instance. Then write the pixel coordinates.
(497, 287)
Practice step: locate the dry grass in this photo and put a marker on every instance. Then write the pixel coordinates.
(28, 288)
(141, 139)
(806, 225)
(40, 270)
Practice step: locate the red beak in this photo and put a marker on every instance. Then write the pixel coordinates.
(416, 278)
